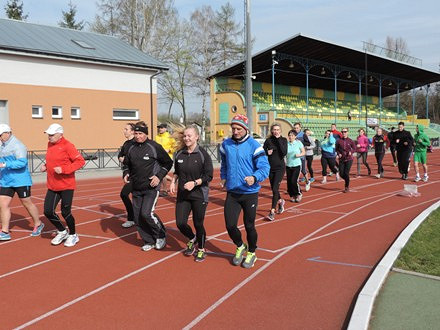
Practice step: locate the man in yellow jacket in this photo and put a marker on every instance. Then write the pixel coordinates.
(167, 142)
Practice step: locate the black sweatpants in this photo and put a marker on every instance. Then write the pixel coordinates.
(198, 208)
(403, 157)
(331, 163)
(393, 153)
(50, 204)
(275, 178)
(344, 171)
(362, 155)
(148, 223)
(125, 196)
(292, 180)
(379, 159)
(233, 205)
(309, 160)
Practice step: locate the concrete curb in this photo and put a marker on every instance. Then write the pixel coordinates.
(360, 317)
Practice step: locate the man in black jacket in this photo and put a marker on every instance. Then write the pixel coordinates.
(146, 163)
(404, 143)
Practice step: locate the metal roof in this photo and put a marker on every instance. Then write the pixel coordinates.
(19, 36)
(324, 54)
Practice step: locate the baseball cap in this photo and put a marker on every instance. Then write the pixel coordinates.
(4, 128)
(54, 128)
(162, 125)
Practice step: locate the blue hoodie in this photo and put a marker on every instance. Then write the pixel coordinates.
(241, 159)
(14, 154)
(328, 147)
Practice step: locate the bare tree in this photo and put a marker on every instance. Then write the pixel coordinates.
(397, 48)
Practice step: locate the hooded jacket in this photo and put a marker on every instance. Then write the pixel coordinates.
(363, 142)
(15, 173)
(421, 140)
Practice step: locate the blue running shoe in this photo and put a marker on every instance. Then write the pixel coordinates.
(312, 180)
(4, 236)
(37, 230)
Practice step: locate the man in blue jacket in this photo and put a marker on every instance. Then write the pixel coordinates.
(15, 178)
(244, 165)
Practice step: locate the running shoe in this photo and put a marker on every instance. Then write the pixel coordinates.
(346, 190)
(298, 198)
(369, 172)
(147, 247)
(190, 247)
(200, 256)
(281, 203)
(394, 164)
(425, 178)
(307, 186)
(417, 178)
(377, 176)
(324, 181)
(4, 236)
(60, 237)
(160, 243)
(312, 180)
(302, 179)
(128, 224)
(37, 230)
(249, 262)
(71, 240)
(405, 177)
(330, 174)
(270, 216)
(238, 258)
(293, 199)
(338, 177)
(381, 174)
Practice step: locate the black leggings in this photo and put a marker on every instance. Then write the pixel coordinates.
(233, 205)
(198, 208)
(364, 161)
(309, 160)
(50, 204)
(331, 162)
(379, 158)
(275, 178)
(393, 153)
(125, 196)
(344, 171)
(292, 180)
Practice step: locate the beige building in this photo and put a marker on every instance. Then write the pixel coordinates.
(90, 84)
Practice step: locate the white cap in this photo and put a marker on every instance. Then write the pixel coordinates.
(4, 128)
(54, 128)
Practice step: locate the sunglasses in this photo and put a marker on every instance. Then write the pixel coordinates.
(344, 131)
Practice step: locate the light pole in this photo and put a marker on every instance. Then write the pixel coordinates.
(274, 62)
(249, 67)
(427, 101)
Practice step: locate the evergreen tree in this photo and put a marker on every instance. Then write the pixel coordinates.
(69, 19)
(14, 10)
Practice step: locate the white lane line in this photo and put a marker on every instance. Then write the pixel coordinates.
(97, 237)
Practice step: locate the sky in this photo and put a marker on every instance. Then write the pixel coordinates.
(343, 22)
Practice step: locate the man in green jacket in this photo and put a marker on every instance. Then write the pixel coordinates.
(421, 143)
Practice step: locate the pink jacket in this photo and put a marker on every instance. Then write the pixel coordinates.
(363, 141)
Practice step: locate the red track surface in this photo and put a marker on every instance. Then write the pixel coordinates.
(313, 259)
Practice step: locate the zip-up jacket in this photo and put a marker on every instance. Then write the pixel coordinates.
(345, 149)
(144, 160)
(310, 148)
(363, 142)
(421, 140)
(191, 166)
(279, 151)
(124, 148)
(14, 154)
(403, 136)
(328, 147)
(62, 154)
(241, 159)
(380, 143)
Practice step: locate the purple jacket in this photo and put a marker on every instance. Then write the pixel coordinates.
(363, 141)
(345, 148)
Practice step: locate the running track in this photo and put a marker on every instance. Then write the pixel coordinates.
(313, 260)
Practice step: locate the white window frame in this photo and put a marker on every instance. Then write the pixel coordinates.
(60, 111)
(78, 113)
(135, 111)
(40, 111)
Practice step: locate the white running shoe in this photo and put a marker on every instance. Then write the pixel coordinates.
(324, 181)
(338, 177)
(425, 178)
(160, 243)
(128, 224)
(60, 237)
(71, 240)
(147, 247)
(377, 176)
(308, 186)
(417, 178)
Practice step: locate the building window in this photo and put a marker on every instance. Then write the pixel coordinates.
(75, 113)
(57, 112)
(37, 111)
(125, 114)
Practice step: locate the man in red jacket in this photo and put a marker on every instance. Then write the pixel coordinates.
(62, 160)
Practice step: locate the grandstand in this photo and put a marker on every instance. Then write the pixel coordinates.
(317, 83)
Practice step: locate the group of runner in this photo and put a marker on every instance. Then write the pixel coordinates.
(244, 165)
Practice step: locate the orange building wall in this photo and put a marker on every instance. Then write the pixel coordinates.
(95, 129)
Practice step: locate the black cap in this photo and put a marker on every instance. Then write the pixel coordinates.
(162, 125)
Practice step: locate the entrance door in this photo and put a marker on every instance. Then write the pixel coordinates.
(4, 112)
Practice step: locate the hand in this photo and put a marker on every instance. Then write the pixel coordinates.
(398, 140)
(172, 188)
(121, 159)
(269, 152)
(189, 185)
(405, 143)
(2, 165)
(154, 181)
(126, 178)
(43, 168)
(58, 170)
(358, 145)
(223, 183)
(250, 180)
